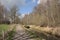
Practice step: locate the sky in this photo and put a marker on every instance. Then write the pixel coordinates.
(25, 6)
(28, 7)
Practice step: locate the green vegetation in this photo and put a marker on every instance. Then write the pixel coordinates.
(4, 27)
(11, 34)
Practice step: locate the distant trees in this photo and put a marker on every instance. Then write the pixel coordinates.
(53, 12)
(47, 13)
(10, 15)
(14, 15)
(2, 12)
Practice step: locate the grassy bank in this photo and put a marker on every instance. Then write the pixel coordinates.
(44, 33)
(4, 27)
(9, 35)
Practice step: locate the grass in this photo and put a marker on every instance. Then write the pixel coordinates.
(42, 33)
(11, 34)
(4, 27)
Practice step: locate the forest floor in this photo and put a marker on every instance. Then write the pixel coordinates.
(33, 33)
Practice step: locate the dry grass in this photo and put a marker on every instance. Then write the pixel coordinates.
(47, 33)
(53, 31)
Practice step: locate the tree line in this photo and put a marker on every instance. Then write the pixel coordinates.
(10, 15)
(45, 14)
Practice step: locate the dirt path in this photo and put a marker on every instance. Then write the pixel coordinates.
(21, 34)
(19, 27)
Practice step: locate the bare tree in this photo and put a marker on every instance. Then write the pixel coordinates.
(14, 13)
(2, 9)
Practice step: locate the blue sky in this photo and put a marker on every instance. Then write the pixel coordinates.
(25, 6)
(28, 7)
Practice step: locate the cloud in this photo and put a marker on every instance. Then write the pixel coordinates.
(33, 0)
(12, 2)
(22, 16)
(38, 2)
